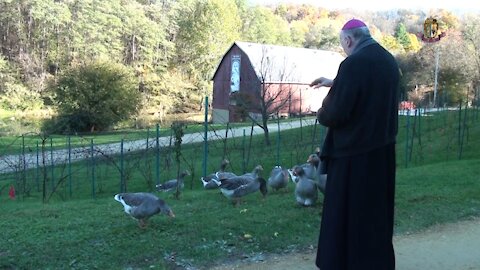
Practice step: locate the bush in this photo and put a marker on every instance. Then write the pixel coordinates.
(94, 96)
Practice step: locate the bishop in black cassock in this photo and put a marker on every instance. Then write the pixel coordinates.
(361, 113)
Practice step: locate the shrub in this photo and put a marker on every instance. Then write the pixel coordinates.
(94, 96)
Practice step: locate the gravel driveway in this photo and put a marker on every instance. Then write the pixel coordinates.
(443, 247)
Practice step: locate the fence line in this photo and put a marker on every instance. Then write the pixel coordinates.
(95, 170)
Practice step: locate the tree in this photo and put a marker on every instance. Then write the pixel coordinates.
(298, 31)
(261, 25)
(323, 35)
(13, 94)
(471, 35)
(206, 30)
(95, 96)
(401, 35)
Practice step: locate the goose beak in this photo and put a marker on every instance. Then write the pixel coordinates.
(171, 214)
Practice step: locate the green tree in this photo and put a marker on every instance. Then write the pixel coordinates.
(471, 35)
(206, 29)
(298, 31)
(261, 25)
(401, 35)
(13, 94)
(323, 35)
(95, 96)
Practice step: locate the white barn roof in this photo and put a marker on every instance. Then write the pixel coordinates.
(275, 64)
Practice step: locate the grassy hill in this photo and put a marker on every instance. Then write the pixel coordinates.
(79, 232)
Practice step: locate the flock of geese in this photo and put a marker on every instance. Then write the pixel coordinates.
(307, 178)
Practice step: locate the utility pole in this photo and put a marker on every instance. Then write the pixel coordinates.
(435, 89)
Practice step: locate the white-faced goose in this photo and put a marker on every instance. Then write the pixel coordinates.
(306, 192)
(309, 168)
(141, 206)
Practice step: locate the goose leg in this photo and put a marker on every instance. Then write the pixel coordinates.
(142, 224)
(236, 202)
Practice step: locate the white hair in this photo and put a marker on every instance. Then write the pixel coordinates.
(357, 33)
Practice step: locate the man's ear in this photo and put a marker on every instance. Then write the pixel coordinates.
(349, 41)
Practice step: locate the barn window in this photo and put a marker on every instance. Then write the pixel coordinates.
(235, 75)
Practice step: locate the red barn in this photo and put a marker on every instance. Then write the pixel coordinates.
(269, 77)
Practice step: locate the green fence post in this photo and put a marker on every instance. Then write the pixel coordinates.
(419, 126)
(314, 134)
(243, 152)
(413, 134)
(459, 121)
(52, 163)
(225, 141)
(69, 165)
(92, 155)
(122, 175)
(249, 145)
(157, 156)
(205, 142)
(278, 140)
(464, 126)
(24, 166)
(37, 168)
(406, 138)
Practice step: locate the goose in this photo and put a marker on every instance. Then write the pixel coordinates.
(239, 186)
(278, 178)
(309, 168)
(171, 185)
(306, 192)
(141, 206)
(249, 176)
(212, 181)
(320, 177)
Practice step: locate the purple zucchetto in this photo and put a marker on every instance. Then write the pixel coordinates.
(353, 23)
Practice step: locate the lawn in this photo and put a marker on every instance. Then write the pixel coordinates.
(79, 232)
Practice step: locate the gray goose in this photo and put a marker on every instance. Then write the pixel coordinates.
(171, 185)
(250, 176)
(239, 186)
(141, 206)
(309, 168)
(278, 178)
(212, 181)
(306, 192)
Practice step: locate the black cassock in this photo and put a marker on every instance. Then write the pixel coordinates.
(361, 113)
(357, 219)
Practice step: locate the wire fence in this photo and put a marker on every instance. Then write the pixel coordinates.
(71, 166)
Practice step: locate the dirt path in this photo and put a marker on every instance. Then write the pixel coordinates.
(443, 247)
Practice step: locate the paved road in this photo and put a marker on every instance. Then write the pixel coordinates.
(11, 163)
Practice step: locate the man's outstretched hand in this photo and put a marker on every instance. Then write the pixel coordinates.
(321, 82)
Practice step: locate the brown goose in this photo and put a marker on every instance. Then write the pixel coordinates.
(141, 206)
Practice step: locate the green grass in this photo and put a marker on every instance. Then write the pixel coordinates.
(88, 234)
(81, 233)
